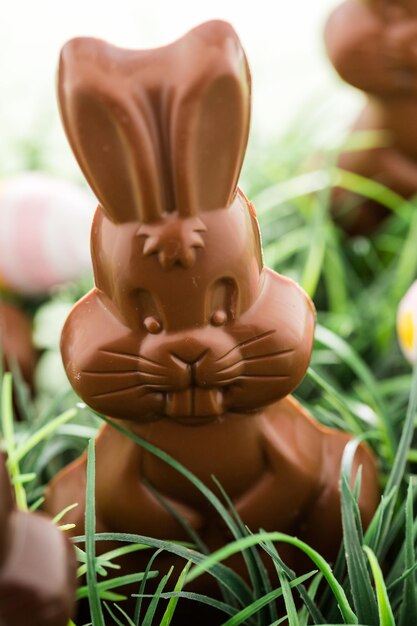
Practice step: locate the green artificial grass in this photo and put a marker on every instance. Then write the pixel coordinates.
(357, 381)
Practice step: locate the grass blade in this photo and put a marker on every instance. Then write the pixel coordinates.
(7, 422)
(148, 568)
(172, 604)
(288, 598)
(371, 189)
(357, 566)
(313, 265)
(224, 574)
(112, 583)
(406, 266)
(90, 528)
(345, 352)
(197, 597)
(400, 461)
(117, 622)
(43, 433)
(403, 576)
(398, 467)
(255, 607)
(386, 616)
(61, 514)
(150, 613)
(309, 604)
(359, 579)
(377, 533)
(408, 613)
(334, 274)
(237, 546)
(312, 592)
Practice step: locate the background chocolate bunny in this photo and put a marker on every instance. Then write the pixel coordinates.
(186, 337)
(373, 46)
(37, 566)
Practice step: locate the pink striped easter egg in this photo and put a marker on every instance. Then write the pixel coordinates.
(44, 232)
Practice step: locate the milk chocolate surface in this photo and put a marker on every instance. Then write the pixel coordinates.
(373, 47)
(37, 566)
(16, 341)
(186, 339)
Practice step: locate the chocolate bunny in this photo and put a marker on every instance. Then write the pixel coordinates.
(187, 338)
(373, 46)
(37, 566)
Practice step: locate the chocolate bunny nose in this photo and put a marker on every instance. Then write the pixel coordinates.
(190, 351)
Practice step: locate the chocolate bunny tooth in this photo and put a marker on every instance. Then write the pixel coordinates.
(186, 337)
(37, 566)
(373, 46)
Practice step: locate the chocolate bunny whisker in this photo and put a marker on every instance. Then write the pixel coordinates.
(247, 342)
(240, 377)
(181, 289)
(121, 374)
(145, 387)
(255, 358)
(136, 357)
(272, 376)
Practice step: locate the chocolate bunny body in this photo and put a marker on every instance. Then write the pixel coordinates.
(37, 566)
(373, 46)
(187, 338)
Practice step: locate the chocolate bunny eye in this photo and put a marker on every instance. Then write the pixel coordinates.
(222, 301)
(152, 325)
(218, 318)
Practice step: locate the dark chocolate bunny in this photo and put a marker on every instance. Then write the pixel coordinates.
(186, 337)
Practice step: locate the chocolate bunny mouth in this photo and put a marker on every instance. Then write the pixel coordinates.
(194, 404)
(193, 386)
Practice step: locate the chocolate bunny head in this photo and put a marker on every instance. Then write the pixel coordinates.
(184, 322)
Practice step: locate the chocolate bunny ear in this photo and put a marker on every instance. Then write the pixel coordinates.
(210, 118)
(110, 132)
(160, 130)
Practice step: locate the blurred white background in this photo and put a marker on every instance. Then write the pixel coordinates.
(283, 41)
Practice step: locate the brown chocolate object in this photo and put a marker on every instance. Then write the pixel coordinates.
(187, 338)
(373, 46)
(37, 566)
(16, 341)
